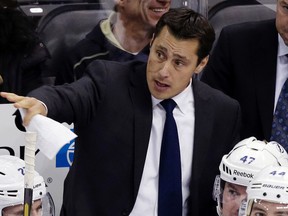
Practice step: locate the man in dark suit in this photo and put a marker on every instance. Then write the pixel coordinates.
(249, 64)
(119, 120)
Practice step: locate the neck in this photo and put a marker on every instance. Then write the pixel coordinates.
(133, 36)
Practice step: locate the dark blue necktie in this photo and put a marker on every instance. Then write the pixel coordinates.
(280, 121)
(170, 190)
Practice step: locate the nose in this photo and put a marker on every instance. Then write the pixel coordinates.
(164, 70)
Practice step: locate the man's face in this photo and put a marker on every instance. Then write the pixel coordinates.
(265, 208)
(147, 12)
(232, 197)
(282, 19)
(17, 210)
(171, 64)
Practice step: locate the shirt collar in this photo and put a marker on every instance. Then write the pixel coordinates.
(182, 99)
(282, 48)
(106, 29)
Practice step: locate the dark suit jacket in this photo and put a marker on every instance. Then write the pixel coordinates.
(112, 110)
(243, 65)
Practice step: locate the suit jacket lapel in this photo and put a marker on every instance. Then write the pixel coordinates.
(202, 137)
(141, 99)
(264, 67)
(203, 127)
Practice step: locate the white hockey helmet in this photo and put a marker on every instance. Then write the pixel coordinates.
(248, 157)
(12, 170)
(244, 161)
(271, 184)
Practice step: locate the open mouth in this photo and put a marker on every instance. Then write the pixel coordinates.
(161, 85)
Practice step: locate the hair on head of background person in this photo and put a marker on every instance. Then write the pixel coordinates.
(8, 4)
(22, 54)
(17, 30)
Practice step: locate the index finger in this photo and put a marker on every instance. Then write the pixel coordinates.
(20, 101)
(11, 97)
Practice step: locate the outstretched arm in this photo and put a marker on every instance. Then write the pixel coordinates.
(32, 105)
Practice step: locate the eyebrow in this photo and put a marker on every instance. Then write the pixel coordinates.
(232, 186)
(282, 212)
(19, 212)
(256, 208)
(175, 55)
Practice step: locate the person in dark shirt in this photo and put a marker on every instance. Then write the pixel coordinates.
(123, 36)
(21, 52)
(250, 64)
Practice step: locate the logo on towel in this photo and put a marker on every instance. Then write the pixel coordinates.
(65, 156)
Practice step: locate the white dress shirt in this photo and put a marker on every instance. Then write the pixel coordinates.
(282, 68)
(147, 198)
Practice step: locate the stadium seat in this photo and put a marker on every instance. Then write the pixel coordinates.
(63, 27)
(236, 11)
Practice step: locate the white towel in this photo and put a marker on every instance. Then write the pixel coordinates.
(51, 135)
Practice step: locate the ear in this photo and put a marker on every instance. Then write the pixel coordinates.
(202, 64)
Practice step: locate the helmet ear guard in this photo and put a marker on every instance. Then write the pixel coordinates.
(48, 206)
(217, 188)
(242, 209)
(218, 193)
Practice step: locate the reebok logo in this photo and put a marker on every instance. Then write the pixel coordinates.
(243, 174)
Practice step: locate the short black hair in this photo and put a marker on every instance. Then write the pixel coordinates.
(17, 31)
(9, 4)
(184, 23)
